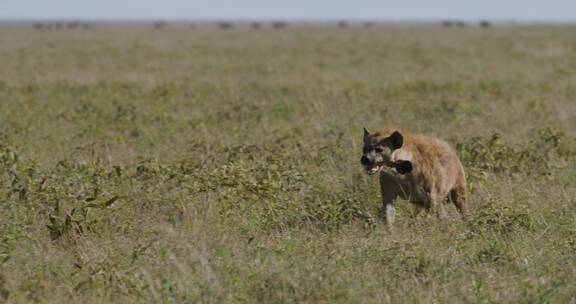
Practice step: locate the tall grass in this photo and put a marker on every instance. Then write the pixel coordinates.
(223, 166)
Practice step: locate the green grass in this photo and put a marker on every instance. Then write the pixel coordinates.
(223, 166)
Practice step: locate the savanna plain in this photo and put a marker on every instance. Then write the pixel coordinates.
(223, 165)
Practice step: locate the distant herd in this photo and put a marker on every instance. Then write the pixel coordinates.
(162, 24)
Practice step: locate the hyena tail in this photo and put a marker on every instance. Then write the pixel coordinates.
(458, 195)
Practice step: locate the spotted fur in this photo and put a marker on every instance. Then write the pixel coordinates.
(420, 168)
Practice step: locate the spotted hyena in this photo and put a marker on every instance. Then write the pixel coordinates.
(420, 168)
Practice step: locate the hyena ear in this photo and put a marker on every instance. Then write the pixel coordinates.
(366, 133)
(403, 166)
(397, 140)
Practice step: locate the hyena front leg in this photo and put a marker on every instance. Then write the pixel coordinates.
(389, 188)
(388, 199)
(417, 211)
(435, 204)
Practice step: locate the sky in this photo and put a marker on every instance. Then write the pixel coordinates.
(398, 10)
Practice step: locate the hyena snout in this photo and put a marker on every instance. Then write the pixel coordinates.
(366, 161)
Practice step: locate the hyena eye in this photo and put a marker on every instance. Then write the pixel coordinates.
(379, 149)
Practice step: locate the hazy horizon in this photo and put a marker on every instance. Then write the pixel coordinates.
(298, 10)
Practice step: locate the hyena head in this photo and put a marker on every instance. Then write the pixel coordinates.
(377, 152)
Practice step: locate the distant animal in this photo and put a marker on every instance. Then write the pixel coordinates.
(420, 168)
(485, 23)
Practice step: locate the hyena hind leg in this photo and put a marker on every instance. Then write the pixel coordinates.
(459, 198)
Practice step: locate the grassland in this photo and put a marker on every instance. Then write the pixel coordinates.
(222, 166)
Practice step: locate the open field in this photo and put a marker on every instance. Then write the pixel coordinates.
(222, 166)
